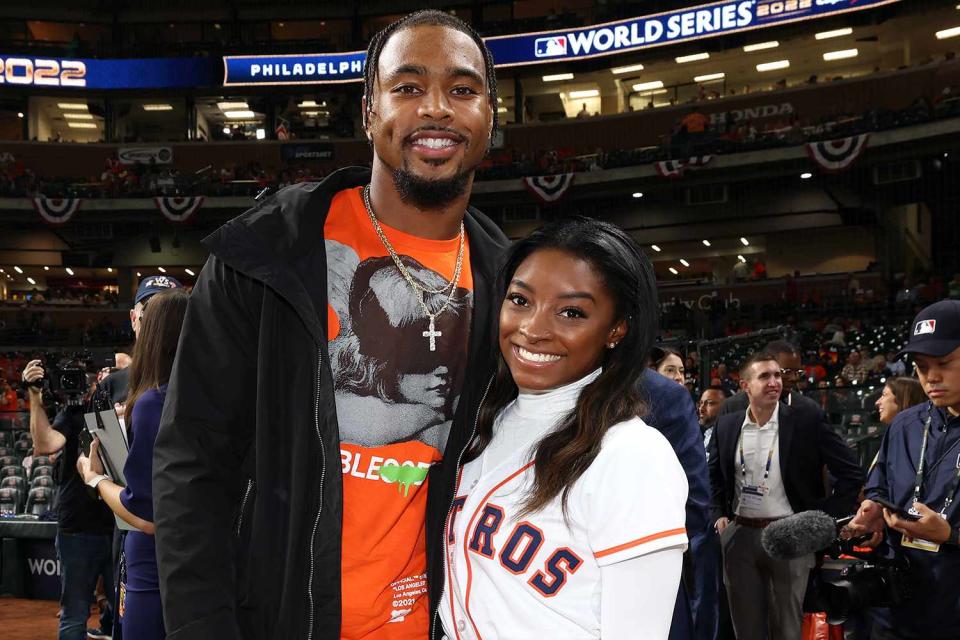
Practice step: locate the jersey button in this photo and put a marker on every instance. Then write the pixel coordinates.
(461, 625)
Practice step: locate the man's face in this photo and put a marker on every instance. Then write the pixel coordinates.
(136, 317)
(431, 117)
(709, 406)
(763, 384)
(791, 368)
(940, 378)
(855, 358)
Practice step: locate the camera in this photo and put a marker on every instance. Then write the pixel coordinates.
(67, 377)
(873, 580)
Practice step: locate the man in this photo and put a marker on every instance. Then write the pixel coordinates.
(766, 463)
(84, 525)
(708, 410)
(791, 369)
(854, 371)
(330, 367)
(922, 486)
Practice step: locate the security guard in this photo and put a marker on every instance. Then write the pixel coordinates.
(918, 471)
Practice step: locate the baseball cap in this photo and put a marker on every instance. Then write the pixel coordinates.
(936, 330)
(155, 284)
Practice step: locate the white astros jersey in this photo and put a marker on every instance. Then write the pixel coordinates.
(537, 577)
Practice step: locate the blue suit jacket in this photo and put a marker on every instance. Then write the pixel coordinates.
(673, 414)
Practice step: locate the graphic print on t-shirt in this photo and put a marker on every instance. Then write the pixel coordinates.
(395, 401)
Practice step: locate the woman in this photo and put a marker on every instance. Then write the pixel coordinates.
(568, 519)
(668, 363)
(138, 604)
(898, 394)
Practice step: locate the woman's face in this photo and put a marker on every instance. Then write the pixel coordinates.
(887, 405)
(672, 367)
(556, 321)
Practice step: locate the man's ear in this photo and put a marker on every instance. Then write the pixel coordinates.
(363, 116)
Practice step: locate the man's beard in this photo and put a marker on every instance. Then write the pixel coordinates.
(430, 194)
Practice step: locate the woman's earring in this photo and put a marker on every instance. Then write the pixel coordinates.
(611, 345)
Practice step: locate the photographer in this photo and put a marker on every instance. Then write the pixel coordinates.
(85, 525)
(917, 472)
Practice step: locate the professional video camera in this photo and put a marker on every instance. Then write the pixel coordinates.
(67, 377)
(872, 580)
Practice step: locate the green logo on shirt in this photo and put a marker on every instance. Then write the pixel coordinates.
(405, 477)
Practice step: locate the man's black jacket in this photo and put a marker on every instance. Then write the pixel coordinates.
(247, 480)
(805, 445)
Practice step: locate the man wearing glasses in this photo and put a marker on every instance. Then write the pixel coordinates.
(791, 368)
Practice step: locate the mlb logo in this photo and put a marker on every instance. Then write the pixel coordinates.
(925, 326)
(550, 47)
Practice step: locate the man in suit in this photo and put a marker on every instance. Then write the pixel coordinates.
(766, 463)
(791, 367)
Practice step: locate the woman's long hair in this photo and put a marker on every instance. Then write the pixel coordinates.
(156, 345)
(907, 392)
(615, 396)
(659, 354)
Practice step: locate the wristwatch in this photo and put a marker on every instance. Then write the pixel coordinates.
(95, 480)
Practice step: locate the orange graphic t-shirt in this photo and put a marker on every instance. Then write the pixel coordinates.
(395, 401)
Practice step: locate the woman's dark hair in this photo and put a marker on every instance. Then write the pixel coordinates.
(907, 392)
(432, 18)
(615, 396)
(659, 354)
(156, 345)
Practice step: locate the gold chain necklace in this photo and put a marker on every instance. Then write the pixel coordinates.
(432, 334)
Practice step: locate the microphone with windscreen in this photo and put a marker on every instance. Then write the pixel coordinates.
(799, 535)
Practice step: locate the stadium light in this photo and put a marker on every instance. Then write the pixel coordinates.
(948, 33)
(674, 271)
(307, 103)
(45, 269)
(836, 33)
(261, 134)
(710, 77)
(557, 77)
(741, 258)
(19, 114)
(773, 66)
(745, 242)
(628, 69)
(760, 46)
(587, 93)
(69, 271)
(18, 269)
(78, 116)
(227, 106)
(31, 281)
(840, 55)
(648, 86)
(161, 270)
(637, 194)
(72, 105)
(692, 58)
(226, 131)
(240, 115)
(684, 262)
(190, 272)
(139, 274)
(109, 269)
(655, 248)
(706, 243)
(806, 175)
(158, 107)
(82, 125)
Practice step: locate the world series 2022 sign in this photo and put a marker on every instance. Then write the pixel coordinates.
(545, 47)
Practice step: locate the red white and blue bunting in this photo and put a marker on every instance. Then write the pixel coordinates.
(676, 168)
(836, 155)
(56, 211)
(178, 210)
(549, 189)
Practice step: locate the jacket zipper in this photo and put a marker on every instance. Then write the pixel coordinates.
(436, 615)
(243, 505)
(323, 471)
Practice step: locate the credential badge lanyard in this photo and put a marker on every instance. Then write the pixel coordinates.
(921, 465)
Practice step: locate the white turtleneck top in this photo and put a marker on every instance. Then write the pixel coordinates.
(609, 568)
